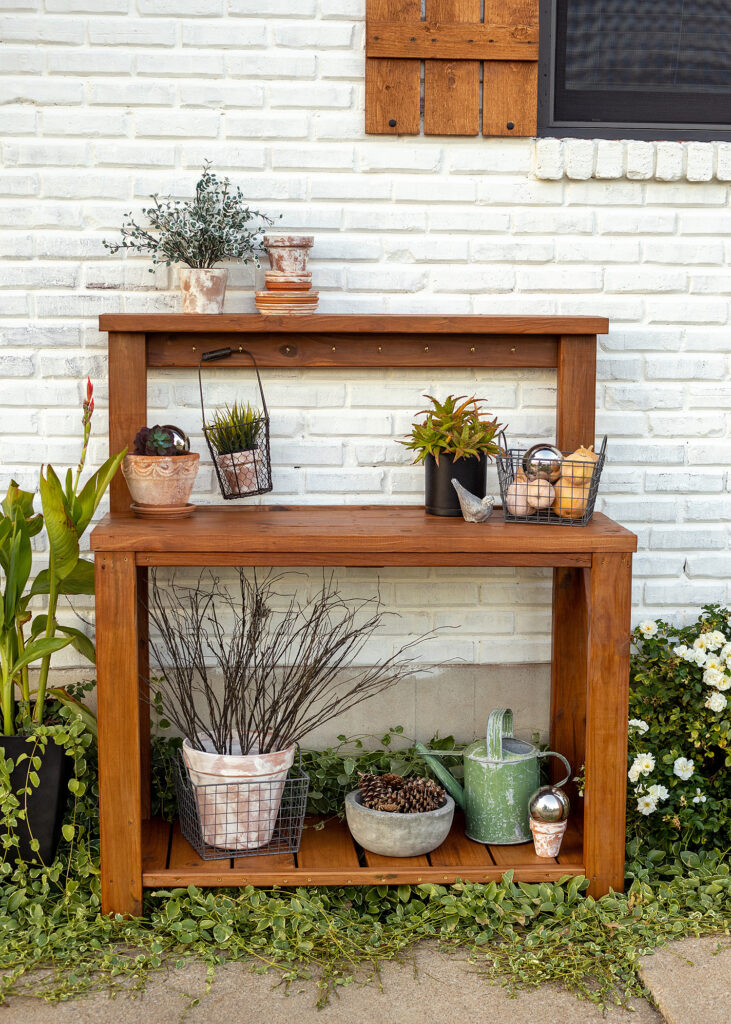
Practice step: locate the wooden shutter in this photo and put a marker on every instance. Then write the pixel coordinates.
(451, 43)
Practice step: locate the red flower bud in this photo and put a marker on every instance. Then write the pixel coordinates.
(91, 406)
(89, 389)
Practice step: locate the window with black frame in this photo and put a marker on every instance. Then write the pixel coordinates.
(636, 68)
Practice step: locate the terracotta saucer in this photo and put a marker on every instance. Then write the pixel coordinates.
(162, 511)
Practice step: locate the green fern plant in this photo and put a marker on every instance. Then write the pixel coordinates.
(235, 428)
(454, 427)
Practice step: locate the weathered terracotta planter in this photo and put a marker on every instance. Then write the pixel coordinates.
(239, 469)
(239, 803)
(203, 291)
(160, 482)
(289, 282)
(547, 836)
(288, 254)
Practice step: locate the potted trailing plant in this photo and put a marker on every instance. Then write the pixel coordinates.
(399, 817)
(161, 472)
(216, 225)
(456, 440)
(37, 768)
(285, 669)
(233, 432)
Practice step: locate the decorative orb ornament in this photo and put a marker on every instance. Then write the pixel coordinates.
(543, 461)
(181, 441)
(549, 803)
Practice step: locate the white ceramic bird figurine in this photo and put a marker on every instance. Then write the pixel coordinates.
(474, 509)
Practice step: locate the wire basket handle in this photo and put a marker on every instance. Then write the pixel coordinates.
(224, 353)
(504, 443)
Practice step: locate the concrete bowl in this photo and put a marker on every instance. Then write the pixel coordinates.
(398, 835)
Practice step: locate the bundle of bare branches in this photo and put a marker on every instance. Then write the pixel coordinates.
(284, 672)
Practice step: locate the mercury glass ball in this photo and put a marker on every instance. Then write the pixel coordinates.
(549, 803)
(543, 460)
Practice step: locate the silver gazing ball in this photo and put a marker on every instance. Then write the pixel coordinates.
(181, 441)
(549, 803)
(543, 460)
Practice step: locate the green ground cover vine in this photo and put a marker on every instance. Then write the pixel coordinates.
(678, 880)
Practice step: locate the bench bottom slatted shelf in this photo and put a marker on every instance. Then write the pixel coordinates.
(330, 856)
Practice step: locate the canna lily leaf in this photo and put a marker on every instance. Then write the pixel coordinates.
(37, 649)
(62, 535)
(91, 494)
(79, 581)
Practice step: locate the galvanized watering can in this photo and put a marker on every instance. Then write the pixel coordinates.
(501, 774)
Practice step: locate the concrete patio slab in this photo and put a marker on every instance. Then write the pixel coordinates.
(690, 980)
(434, 988)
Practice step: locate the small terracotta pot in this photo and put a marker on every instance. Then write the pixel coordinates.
(277, 282)
(288, 254)
(203, 290)
(239, 469)
(547, 836)
(240, 802)
(160, 480)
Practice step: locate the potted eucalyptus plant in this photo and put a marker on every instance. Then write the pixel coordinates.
(37, 768)
(161, 472)
(455, 441)
(285, 668)
(216, 225)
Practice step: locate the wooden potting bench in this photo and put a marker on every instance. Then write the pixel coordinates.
(591, 594)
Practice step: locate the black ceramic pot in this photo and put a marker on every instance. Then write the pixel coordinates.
(440, 496)
(46, 803)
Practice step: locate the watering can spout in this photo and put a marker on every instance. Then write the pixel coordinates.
(455, 790)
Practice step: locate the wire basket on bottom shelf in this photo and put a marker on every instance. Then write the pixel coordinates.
(543, 485)
(242, 819)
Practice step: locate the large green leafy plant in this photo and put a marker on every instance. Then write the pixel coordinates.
(27, 636)
(680, 732)
(217, 224)
(454, 427)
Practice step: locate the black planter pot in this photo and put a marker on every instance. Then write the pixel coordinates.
(46, 803)
(440, 496)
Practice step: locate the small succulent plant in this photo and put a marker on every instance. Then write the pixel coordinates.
(454, 427)
(234, 428)
(217, 224)
(167, 440)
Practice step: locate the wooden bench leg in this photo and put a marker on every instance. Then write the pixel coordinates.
(119, 733)
(606, 721)
(569, 663)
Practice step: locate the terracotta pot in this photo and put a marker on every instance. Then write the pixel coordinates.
(240, 794)
(277, 282)
(547, 836)
(160, 480)
(239, 470)
(203, 290)
(288, 254)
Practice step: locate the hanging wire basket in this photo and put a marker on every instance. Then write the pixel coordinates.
(240, 451)
(548, 489)
(246, 819)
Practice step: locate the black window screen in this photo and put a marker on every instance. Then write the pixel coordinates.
(656, 62)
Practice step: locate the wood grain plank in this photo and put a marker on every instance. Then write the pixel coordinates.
(392, 87)
(576, 392)
(390, 869)
(510, 88)
(572, 847)
(606, 722)
(369, 323)
(155, 844)
(263, 558)
(451, 87)
(127, 402)
(464, 39)
(265, 863)
(458, 851)
(118, 706)
(522, 855)
(569, 672)
(327, 849)
(143, 668)
(184, 857)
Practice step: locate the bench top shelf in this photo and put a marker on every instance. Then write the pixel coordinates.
(354, 534)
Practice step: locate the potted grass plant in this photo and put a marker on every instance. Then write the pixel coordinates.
(36, 768)
(244, 675)
(160, 473)
(234, 434)
(217, 224)
(455, 441)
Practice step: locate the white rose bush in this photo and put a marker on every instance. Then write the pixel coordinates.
(679, 766)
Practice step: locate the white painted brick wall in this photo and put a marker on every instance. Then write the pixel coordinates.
(105, 101)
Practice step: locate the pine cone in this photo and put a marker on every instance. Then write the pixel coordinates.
(395, 794)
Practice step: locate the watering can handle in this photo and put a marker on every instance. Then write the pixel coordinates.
(552, 753)
(499, 724)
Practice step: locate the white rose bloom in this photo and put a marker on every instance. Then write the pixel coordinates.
(634, 772)
(699, 797)
(713, 662)
(681, 651)
(690, 655)
(716, 639)
(646, 763)
(700, 658)
(683, 768)
(658, 793)
(724, 682)
(648, 628)
(712, 677)
(716, 701)
(728, 663)
(638, 724)
(725, 652)
(701, 644)
(646, 805)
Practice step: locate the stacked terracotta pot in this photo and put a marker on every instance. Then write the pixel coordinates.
(288, 282)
